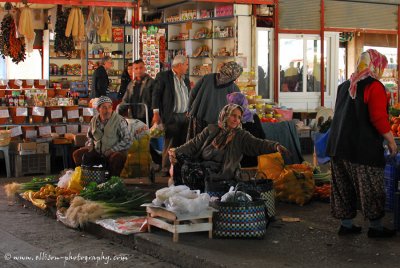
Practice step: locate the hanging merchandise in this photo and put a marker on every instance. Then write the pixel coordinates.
(153, 49)
(105, 27)
(62, 43)
(10, 45)
(25, 27)
(91, 30)
(75, 24)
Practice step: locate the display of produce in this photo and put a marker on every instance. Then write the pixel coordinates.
(10, 45)
(34, 185)
(62, 43)
(75, 25)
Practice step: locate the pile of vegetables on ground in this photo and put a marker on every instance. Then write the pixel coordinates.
(95, 201)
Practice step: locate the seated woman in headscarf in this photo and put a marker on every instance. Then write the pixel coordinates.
(250, 122)
(208, 97)
(219, 149)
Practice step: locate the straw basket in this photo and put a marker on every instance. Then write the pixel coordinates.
(5, 137)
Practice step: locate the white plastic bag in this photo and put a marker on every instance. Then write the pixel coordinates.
(64, 179)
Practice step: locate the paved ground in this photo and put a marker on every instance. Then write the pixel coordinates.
(26, 234)
(313, 242)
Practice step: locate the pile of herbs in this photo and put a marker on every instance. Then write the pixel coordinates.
(115, 196)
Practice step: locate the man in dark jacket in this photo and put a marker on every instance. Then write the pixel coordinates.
(100, 81)
(170, 102)
(139, 90)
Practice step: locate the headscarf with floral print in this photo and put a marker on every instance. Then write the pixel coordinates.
(229, 72)
(225, 134)
(371, 63)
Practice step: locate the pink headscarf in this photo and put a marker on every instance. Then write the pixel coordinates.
(371, 63)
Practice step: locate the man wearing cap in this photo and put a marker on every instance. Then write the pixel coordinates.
(108, 133)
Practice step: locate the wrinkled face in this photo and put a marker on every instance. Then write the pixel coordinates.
(108, 64)
(182, 68)
(130, 71)
(138, 70)
(105, 111)
(234, 119)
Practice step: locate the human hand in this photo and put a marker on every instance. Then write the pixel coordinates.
(282, 150)
(172, 156)
(392, 146)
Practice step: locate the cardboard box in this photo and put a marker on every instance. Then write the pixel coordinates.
(304, 132)
(23, 148)
(42, 148)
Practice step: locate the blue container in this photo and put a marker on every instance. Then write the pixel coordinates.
(396, 211)
(391, 175)
(157, 143)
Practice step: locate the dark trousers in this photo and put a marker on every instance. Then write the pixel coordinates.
(115, 160)
(175, 135)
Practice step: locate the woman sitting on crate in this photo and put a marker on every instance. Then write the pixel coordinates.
(355, 144)
(216, 152)
(109, 135)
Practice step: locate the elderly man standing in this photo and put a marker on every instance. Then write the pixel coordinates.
(109, 134)
(100, 81)
(170, 102)
(139, 90)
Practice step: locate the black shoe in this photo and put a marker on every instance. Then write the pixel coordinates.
(348, 231)
(381, 233)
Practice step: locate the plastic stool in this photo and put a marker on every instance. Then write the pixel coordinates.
(7, 159)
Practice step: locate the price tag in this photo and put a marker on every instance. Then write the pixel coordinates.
(4, 114)
(84, 128)
(39, 111)
(56, 114)
(87, 111)
(72, 129)
(73, 114)
(44, 131)
(16, 131)
(42, 82)
(29, 82)
(31, 134)
(18, 82)
(61, 130)
(22, 111)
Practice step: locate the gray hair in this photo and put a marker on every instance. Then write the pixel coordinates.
(179, 59)
(105, 59)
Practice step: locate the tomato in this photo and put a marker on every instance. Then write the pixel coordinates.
(395, 127)
(264, 120)
(397, 120)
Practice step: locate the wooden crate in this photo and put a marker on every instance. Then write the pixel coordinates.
(177, 224)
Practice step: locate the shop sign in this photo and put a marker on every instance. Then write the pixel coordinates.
(72, 129)
(44, 131)
(31, 134)
(73, 114)
(60, 130)
(22, 111)
(87, 111)
(18, 82)
(16, 131)
(38, 111)
(4, 114)
(56, 114)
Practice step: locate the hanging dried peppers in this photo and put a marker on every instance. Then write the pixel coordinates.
(10, 45)
(63, 44)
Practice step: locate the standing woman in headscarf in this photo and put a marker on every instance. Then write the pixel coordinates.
(250, 122)
(359, 127)
(219, 148)
(208, 97)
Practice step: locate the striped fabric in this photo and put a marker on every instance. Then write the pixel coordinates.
(181, 95)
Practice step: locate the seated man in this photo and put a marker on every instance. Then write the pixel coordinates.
(108, 132)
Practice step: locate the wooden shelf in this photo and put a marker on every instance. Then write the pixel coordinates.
(64, 58)
(200, 20)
